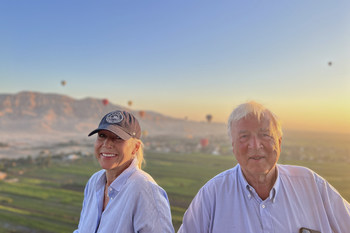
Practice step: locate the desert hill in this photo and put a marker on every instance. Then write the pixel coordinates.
(29, 114)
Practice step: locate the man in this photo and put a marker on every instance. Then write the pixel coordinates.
(259, 195)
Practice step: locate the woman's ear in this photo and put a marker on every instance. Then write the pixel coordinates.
(136, 146)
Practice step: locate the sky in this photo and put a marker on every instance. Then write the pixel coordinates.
(185, 58)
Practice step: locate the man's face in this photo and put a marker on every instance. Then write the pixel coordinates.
(255, 145)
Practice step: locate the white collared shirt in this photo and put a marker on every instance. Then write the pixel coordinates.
(136, 204)
(299, 198)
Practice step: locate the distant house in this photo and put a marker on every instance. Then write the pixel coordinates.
(73, 157)
(3, 175)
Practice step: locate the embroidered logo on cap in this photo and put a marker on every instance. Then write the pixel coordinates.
(114, 117)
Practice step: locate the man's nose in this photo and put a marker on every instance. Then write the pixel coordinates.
(254, 142)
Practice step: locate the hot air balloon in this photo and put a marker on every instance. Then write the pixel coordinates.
(204, 142)
(330, 63)
(209, 117)
(142, 113)
(130, 103)
(63, 82)
(105, 102)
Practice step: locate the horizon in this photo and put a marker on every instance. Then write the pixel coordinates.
(186, 59)
(284, 127)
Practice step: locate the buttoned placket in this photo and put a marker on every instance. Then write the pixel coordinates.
(111, 193)
(264, 208)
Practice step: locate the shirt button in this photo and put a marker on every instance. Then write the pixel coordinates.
(263, 206)
(110, 189)
(249, 196)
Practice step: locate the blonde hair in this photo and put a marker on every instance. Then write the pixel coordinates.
(139, 152)
(255, 109)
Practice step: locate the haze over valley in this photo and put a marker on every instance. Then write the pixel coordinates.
(34, 123)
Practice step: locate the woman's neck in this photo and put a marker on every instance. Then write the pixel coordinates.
(112, 174)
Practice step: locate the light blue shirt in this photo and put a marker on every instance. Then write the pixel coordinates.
(299, 198)
(136, 204)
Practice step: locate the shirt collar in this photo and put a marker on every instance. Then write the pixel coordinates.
(277, 184)
(101, 181)
(249, 190)
(118, 183)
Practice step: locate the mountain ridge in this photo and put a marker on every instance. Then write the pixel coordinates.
(29, 112)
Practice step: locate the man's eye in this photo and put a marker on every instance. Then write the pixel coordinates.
(101, 135)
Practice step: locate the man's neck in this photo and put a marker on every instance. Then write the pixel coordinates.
(262, 183)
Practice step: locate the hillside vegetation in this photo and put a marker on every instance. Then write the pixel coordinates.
(47, 196)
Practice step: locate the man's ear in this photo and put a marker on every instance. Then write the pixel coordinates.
(280, 143)
(233, 147)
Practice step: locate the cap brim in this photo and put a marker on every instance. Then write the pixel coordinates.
(114, 129)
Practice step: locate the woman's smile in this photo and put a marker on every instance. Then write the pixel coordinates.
(108, 155)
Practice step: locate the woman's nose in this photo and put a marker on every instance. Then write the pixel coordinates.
(108, 142)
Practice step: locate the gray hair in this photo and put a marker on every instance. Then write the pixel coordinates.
(256, 109)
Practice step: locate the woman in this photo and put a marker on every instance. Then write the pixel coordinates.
(122, 198)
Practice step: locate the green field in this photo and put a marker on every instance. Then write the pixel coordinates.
(48, 198)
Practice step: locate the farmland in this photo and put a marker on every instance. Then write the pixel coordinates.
(46, 196)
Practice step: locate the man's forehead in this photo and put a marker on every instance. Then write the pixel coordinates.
(252, 123)
(254, 120)
(244, 130)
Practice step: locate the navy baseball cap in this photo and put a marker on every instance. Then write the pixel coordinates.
(121, 123)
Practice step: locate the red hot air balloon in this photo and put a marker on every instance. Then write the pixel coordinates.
(204, 142)
(142, 114)
(105, 102)
(63, 82)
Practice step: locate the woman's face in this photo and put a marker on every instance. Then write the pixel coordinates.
(112, 152)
